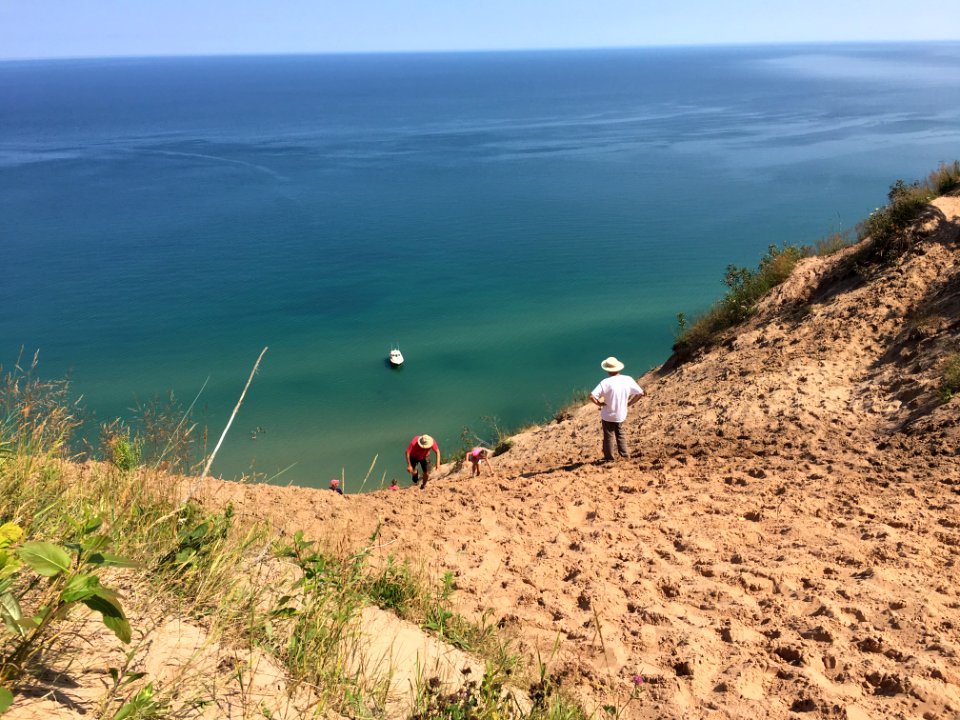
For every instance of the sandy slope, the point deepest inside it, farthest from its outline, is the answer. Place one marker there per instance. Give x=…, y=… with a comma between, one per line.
x=785, y=541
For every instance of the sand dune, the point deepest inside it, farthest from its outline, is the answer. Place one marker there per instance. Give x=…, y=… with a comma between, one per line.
x=784, y=540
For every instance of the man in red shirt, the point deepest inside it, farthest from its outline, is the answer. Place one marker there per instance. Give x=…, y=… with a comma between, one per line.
x=418, y=454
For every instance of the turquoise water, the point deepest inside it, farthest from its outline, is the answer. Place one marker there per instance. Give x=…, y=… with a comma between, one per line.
x=508, y=219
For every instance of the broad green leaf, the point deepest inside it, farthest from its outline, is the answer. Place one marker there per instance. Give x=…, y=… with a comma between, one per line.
x=120, y=627
x=126, y=711
x=12, y=614
x=194, y=534
x=6, y=699
x=29, y=623
x=133, y=677
x=10, y=533
x=95, y=543
x=111, y=560
x=9, y=564
x=128, y=677
x=79, y=588
x=142, y=701
x=185, y=557
x=45, y=559
x=106, y=604
x=93, y=525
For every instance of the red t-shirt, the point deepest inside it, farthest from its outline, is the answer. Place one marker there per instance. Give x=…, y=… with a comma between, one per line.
x=418, y=453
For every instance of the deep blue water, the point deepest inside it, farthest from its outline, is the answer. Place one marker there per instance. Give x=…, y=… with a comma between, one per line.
x=510, y=219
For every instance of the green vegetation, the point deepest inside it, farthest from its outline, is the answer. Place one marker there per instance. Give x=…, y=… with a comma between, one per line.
x=887, y=228
x=885, y=235
x=124, y=451
x=577, y=399
x=744, y=288
x=494, y=437
x=73, y=574
x=70, y=534
x=951, y=377
x=491, y=698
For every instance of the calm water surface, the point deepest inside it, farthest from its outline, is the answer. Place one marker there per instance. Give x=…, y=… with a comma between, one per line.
x=509, y=219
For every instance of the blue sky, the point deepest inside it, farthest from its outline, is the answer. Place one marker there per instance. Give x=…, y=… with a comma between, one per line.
x=95, y=28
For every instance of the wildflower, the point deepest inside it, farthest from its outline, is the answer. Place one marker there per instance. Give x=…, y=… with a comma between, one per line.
x=638, y=679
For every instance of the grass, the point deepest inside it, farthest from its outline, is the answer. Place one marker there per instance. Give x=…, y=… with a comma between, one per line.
x=249, y=589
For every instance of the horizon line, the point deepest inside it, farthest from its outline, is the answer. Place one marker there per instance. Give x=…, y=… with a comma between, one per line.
x=478, y=51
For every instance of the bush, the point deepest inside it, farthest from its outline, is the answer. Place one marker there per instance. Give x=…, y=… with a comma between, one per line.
x=123, y=449
x=887, y=231
x=951, y=377
x=887, y=228
x=744, y=288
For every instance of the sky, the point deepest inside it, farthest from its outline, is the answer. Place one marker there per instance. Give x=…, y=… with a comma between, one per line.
x=105, y=28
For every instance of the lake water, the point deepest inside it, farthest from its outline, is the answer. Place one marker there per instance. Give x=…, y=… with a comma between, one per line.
x=508, y=219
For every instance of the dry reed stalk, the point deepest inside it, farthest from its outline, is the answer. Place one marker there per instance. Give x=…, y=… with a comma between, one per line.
x=206, y=469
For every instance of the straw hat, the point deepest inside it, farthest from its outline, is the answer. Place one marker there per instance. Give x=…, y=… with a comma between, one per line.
x=425, y=441
x=611, y=364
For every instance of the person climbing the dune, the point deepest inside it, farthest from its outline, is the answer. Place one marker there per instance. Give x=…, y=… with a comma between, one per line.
x=613, y=396
x=478, y=457
x=418, y=454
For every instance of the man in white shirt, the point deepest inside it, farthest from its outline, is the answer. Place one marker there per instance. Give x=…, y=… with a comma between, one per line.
x=613, y=396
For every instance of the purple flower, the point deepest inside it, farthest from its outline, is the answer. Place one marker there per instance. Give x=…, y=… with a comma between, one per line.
x=638, y=679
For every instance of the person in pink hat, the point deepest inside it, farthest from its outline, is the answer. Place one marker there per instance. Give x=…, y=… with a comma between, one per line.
x=613, y=396
x=478, y=457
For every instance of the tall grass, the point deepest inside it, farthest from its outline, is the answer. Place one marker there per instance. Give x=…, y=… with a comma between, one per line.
x=37, y=420
x=249, y=589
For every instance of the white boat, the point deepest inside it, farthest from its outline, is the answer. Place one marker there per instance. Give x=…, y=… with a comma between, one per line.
x=396, y=357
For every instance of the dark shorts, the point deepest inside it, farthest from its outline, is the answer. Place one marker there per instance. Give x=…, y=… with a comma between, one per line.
x=423, y=465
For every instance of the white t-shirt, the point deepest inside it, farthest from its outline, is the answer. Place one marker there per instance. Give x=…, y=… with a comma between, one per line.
x=616, y=391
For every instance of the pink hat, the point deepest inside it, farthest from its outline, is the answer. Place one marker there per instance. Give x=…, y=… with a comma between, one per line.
x=334, y=483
